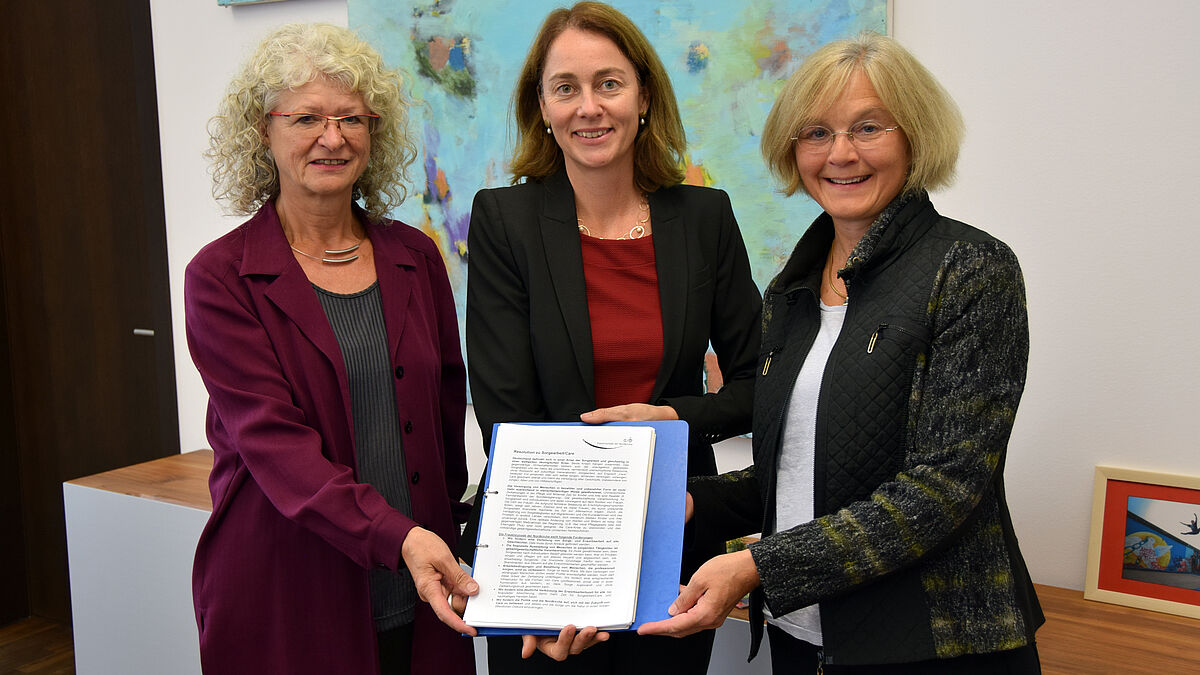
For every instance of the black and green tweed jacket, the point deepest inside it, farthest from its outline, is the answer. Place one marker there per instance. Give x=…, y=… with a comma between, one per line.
x=912, y=555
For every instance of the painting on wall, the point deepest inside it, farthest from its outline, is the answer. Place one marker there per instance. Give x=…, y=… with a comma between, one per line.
x=229, y=3
x=1144, y=549
x=727, y=62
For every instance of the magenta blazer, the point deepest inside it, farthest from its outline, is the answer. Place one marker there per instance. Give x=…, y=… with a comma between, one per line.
x=280, y=576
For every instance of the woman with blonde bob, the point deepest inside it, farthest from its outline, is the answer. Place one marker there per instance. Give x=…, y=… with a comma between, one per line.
x=597, y=283
x=893, y=359
x=326, y=336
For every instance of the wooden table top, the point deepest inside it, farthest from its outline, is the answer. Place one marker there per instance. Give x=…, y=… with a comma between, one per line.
x=1086, y=636
x=177, y=479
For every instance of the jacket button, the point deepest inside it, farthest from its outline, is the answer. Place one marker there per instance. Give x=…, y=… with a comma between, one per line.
x=416, y=477
x=399, y=372
x=408, y=427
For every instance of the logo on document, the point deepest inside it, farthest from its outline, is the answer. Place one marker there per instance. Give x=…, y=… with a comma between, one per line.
x=610, y=444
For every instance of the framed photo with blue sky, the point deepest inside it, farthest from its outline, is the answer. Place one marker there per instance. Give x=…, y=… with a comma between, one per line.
x=1144, y=549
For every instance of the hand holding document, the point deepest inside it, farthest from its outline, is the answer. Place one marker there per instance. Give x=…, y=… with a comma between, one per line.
x=711, y=593
x=563, y=522
x=437, y=576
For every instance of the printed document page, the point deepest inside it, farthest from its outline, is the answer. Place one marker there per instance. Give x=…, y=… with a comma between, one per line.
x=561, y=530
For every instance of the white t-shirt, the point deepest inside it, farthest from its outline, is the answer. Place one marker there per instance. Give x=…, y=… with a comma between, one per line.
x=795, y=477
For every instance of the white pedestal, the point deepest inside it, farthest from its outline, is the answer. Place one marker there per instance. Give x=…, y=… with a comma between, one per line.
x=131, y=582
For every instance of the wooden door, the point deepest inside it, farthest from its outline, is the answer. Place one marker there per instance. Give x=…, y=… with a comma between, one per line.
x=83, y=252
x=14, y=597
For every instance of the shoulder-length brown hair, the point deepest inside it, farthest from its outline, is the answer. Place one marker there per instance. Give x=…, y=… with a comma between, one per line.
x=660, y=143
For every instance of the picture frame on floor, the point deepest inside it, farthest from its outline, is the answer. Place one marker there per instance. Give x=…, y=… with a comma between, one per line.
x=1144, y=548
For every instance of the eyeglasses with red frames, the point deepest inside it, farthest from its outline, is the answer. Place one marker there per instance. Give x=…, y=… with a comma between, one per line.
x=315, y=124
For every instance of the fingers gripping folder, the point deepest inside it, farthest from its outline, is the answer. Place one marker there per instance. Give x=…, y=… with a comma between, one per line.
x=580, y=524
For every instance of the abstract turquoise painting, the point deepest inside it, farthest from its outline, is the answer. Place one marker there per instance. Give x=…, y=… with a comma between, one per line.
x=727, y=61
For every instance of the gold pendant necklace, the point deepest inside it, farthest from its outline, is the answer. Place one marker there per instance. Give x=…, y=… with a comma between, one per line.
x=636, y=232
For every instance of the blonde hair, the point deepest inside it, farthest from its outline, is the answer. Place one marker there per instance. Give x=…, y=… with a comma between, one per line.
x=243, y=169
x=930, y=119
x=659, y=145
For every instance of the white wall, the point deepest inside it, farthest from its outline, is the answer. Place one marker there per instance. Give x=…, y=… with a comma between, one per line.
x=1079, y=154
x=1081, y=150
x=198, y=46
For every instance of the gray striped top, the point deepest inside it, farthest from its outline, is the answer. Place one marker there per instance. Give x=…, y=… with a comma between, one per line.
x=357, y=321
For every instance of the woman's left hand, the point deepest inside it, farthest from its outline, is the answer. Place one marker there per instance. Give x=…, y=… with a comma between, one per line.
x=437, y=576
x=711, y=593
x=568, y=642
x=632, y=412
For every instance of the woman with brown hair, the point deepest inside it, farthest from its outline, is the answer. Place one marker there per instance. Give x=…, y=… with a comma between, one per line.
x=597, y=283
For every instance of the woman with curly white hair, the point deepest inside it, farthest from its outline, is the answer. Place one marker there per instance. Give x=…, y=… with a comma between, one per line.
x=326, y=336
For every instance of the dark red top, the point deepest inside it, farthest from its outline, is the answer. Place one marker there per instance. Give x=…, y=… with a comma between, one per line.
x=626, y=318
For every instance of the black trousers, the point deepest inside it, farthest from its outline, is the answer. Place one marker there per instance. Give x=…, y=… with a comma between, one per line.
x=395, y=650
x=790, y=656
x=625, y=653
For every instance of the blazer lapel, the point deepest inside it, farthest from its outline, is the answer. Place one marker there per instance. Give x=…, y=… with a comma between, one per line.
x=564, y=258
x=267, y=253
x=393, y=265
x=671, y=263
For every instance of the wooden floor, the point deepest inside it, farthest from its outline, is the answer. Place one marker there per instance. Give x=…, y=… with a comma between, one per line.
x=36, y=645
x=1080, y=636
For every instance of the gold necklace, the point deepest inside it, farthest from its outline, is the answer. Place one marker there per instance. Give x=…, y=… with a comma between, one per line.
x=829, y=279
x=636, y=232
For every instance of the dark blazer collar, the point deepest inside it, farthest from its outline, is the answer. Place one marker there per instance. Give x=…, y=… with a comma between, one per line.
x=901, y=223
x=803, y=266
x=564, y=256
x=671, y=261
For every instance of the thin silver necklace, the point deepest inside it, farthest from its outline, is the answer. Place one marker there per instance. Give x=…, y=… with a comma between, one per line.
x=330, y=252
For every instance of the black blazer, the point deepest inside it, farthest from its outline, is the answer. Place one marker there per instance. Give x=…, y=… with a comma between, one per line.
x=529, y=338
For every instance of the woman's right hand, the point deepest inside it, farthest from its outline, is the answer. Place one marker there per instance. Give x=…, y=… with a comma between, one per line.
x=566, y=643
x=709, y=596
x=438, y=578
